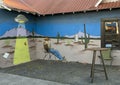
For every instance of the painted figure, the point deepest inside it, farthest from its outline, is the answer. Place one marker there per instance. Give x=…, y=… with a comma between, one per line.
x=47, y=47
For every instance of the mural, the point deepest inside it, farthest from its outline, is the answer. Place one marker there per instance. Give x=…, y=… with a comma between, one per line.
x=67, y=26
x=8, y=25
x=21, y=19
x=21, y=54
x=70, y=34
x=21, y=47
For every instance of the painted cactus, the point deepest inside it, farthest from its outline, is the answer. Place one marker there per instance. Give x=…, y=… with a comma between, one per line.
x=33, y=33
x=58, y=37
x=87, y=38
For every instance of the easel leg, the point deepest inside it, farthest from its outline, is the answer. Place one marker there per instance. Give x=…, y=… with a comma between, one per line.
x=93, y=66
x=104, y=66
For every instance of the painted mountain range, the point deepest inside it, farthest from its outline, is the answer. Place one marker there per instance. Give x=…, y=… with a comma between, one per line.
x=14, y=32
x=80, y=34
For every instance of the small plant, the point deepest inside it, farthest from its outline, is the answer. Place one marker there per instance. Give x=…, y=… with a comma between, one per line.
x=58, y=37
x=33, y=33
x=7, y=42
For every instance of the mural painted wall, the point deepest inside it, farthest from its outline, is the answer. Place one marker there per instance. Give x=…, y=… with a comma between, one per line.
x=8, y=25
x=17, y=50
x=68, y=25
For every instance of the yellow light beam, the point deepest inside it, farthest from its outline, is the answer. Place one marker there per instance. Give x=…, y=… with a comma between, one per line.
x=21, y=54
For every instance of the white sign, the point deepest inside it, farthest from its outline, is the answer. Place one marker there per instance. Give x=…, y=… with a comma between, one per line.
x=6, y=55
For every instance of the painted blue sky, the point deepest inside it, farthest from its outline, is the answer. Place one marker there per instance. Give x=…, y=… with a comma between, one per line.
x=67, y=24
x=69, y=29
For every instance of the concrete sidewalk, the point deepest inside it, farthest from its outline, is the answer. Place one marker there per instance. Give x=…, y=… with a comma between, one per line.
x=9, y=79
x=57, y=73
